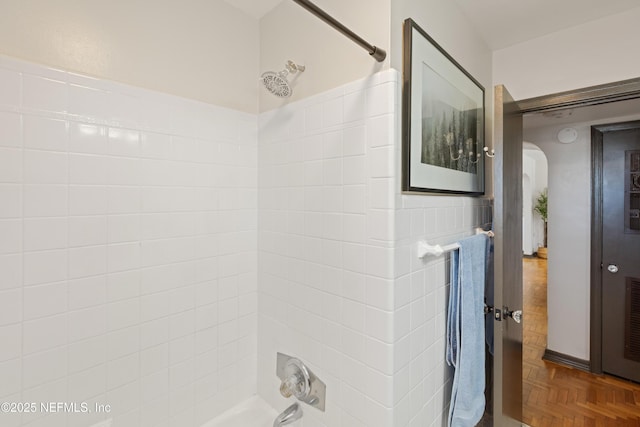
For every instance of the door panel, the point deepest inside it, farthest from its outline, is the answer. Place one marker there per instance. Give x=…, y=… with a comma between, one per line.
x=620, y=249
x=508, y=258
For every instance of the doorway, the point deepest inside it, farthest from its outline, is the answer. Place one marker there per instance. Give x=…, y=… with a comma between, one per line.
x=508, y=138
x=564, y=393
x=534, y=192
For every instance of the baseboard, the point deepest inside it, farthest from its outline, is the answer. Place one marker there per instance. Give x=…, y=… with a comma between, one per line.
x=563, y=359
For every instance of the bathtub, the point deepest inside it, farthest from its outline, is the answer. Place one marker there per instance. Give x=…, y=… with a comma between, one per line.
x=253, y=412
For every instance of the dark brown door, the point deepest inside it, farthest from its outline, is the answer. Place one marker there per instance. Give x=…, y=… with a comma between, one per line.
x=621, y=251
x=507, y=409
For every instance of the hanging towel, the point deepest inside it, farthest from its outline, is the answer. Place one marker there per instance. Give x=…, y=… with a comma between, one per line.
x=453, y=330
x=465, y=331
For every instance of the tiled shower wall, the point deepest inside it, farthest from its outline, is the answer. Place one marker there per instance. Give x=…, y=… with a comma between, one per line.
x=421, y=295
x=340, y=285
x=326, y=235
x=127, y=251
x=129, y=263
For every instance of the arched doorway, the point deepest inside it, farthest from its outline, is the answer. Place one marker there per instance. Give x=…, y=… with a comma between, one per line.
x=534, y=182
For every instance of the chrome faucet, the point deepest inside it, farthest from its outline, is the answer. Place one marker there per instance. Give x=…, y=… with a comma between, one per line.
x=290, y=415
x=298, y=381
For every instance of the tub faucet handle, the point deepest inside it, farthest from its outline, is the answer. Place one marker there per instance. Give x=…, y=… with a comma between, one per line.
x=299, y=381
x=285, y=389
x=294, y=385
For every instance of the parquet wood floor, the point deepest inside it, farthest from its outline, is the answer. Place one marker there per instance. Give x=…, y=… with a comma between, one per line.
x=554, y=395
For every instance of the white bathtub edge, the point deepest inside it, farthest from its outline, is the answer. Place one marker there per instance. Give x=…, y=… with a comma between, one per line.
x=252, y=412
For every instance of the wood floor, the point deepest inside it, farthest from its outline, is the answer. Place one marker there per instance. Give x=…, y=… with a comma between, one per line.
x=554, y=395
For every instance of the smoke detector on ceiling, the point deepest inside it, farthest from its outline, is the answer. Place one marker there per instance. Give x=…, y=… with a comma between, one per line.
x=567, y=135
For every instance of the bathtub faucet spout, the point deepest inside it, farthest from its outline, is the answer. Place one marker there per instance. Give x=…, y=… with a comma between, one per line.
x=290, y=415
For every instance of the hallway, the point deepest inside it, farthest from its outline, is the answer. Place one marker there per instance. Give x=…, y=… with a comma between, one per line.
x=554, y=395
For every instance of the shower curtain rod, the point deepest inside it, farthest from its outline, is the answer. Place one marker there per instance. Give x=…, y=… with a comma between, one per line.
x=376, y=52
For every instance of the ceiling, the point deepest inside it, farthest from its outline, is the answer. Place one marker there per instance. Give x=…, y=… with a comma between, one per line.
x=255, y=8
x=504, y=23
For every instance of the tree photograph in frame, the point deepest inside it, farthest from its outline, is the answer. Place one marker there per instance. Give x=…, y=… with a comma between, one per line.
x=443, y=120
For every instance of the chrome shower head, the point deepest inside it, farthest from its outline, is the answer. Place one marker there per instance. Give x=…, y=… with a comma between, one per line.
x=277, y=83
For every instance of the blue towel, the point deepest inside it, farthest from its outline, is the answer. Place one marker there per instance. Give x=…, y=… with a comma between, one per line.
x=465, y=331
x=453, y=330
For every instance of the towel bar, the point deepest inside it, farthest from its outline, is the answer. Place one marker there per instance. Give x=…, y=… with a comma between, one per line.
x=425, y=249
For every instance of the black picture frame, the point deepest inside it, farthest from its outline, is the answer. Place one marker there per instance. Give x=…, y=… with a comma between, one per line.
x=443, y=120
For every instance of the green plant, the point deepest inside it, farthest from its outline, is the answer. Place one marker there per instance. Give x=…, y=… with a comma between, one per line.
x=541, y=208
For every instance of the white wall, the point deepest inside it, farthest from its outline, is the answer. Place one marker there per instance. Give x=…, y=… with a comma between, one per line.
x=204, y=50
x=568, y=239
x=332, y=60
x=594, y=53
x=128, y=250
x=461, y=41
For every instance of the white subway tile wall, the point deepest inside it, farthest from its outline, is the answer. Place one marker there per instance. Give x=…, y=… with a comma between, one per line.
x=128, y=251
x=326, y=242
x=421, y=291
x=340, y=285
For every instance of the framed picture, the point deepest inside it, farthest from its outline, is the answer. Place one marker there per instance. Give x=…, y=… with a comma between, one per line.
x=442, y=122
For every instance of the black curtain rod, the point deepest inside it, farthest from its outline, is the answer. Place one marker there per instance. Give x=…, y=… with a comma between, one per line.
x=376, y=52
